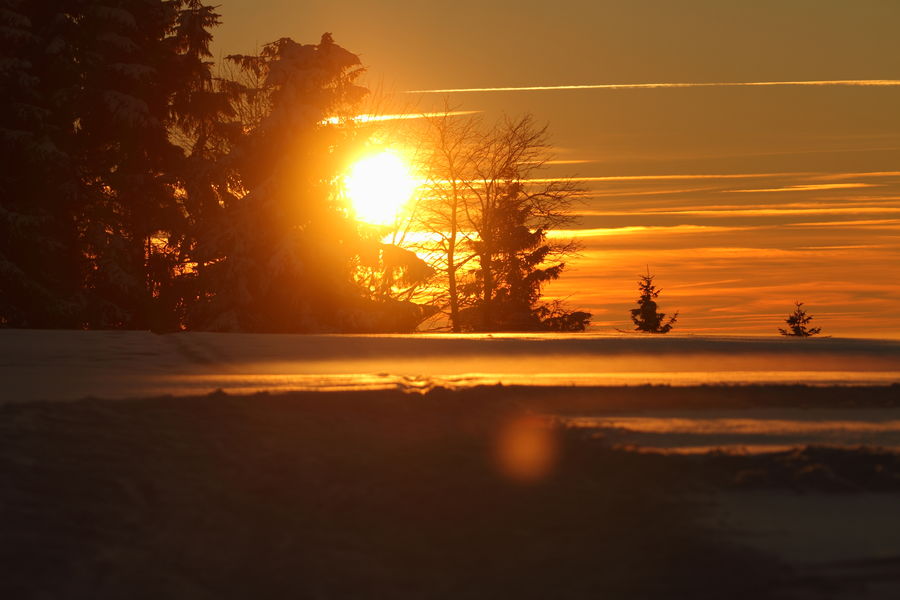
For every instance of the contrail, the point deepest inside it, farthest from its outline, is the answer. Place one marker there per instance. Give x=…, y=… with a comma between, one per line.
x=640, y=86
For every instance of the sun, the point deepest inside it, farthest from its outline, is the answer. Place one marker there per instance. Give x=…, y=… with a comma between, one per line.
x=379, y=186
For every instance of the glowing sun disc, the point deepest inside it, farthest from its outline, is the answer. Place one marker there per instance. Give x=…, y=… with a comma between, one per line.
x=378, y=187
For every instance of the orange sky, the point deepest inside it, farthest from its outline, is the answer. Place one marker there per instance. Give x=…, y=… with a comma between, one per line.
x=741, y=198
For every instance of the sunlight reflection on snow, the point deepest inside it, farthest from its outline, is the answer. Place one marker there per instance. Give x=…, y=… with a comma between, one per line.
x=780, y=429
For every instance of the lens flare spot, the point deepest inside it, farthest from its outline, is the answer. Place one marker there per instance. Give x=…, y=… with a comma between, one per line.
x=527, y=449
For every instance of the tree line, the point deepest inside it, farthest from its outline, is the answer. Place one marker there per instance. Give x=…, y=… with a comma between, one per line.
x=145, y=187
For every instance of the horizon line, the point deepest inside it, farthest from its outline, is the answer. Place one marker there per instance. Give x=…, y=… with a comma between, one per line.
x=632, y=86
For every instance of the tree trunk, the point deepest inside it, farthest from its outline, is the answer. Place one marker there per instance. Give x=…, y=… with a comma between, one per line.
x=451, y=274
x=487, y=273
x=451, y=265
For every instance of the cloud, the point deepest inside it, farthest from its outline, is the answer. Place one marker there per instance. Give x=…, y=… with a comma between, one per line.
x=610, y=231
x=817, y=187
x=672, y=177
x=864, y=174
x=370, y=118
x=715, y=176
x=748, y=212
x=639, y=86
x=868, y=223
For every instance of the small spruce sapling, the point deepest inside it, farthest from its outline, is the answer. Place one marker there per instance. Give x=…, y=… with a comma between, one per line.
x=797, y=323
x=645, y=316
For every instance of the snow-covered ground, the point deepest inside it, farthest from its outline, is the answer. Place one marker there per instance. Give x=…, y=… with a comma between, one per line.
x=64, y=365
x=747, y=430
x=68, y=365
x=837, y=539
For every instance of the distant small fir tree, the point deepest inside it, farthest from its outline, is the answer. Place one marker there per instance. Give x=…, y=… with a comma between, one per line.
x=797, y=323
x=645, y=316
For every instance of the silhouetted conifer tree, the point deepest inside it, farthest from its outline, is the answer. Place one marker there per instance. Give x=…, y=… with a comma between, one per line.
x=797, y=323
x=284, y=256
x=511, y=254
x=646, y=317
x=40, y=264
x=515, y=261
x=206, y=128
x=139, y=190
x=494, y=215
x=90, y=199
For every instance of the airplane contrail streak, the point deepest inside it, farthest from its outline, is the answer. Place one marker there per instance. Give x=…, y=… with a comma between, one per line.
x=639, y=86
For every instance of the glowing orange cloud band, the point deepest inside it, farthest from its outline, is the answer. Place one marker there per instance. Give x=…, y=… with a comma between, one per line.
x=638, y=86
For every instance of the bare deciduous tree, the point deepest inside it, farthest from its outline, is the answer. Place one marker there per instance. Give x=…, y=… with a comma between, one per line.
x=446, y=163
x=484, y=202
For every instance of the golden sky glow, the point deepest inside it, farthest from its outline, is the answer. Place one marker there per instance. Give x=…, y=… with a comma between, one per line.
x=648, y=86
x=770, y=163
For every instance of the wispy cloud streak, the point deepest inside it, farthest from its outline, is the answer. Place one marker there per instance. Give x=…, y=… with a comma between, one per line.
x=670, y=177
x=751, y=212
x=367, y=118
x=641, y=86
x=713, y=176
x=860, y=224
x=816, y=187
x=632, y=229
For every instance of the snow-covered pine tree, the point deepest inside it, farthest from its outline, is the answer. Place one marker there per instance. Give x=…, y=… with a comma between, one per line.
x=646, y=318
x=204, y=129
x=39, y=274
x=282, y=257
x=93, y=215
x=128, y=75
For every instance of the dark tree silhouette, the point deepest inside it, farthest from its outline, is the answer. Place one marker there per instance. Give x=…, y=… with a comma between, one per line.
x=279, y=256
x=510, y=215
x=646, y=317
x=393, y=277
x=138, y=189
x=797, y=323
x=491, y=214
x=555, y=316
x=90, y=213
x=284, y=254
x=510, y=272
x=40, y=282
x=446, y=161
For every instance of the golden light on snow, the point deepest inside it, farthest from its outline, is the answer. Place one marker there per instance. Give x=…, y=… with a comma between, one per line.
x=379, y=186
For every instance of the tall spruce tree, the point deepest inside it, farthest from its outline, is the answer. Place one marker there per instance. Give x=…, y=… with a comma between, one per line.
x=513, y=266
x=139, y=190
x=206, y=128
x=128, y=77
x=93, y=198
x=281, y=257
x=39, y=264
